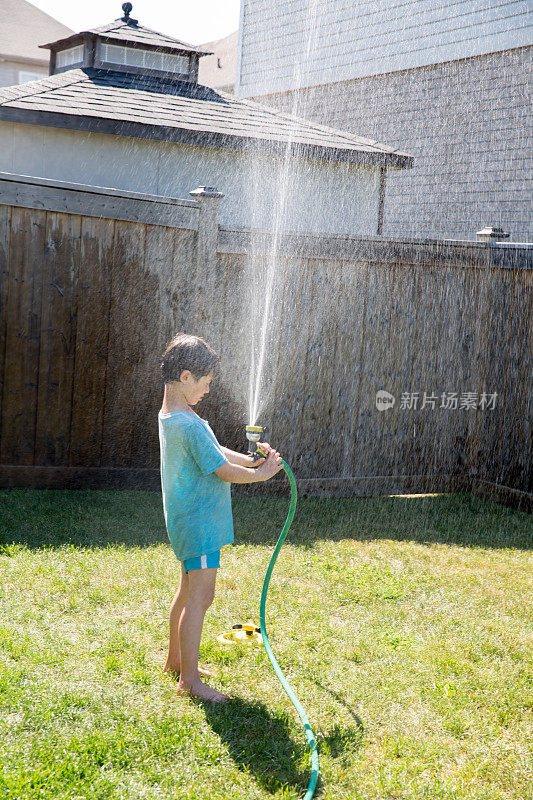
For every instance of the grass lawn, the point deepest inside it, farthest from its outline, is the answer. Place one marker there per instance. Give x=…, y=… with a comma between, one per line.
x=404, y=626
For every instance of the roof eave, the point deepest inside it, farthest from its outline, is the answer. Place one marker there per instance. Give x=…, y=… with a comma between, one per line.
x=203, y=138
x=78, y=38
x=37, y=62
x=74, y=39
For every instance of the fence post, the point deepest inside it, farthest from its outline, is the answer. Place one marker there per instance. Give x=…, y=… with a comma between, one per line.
x=206, y=249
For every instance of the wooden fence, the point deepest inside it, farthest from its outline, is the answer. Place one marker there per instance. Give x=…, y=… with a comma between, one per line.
x=89, y=299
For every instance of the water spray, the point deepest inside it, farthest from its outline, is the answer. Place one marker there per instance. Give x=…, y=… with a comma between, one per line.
x=253, y=434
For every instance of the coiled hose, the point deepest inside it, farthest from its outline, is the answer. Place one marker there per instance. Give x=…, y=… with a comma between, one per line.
x=288, y=689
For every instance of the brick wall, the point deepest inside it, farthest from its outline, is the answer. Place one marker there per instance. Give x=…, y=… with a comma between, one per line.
x=468, y=125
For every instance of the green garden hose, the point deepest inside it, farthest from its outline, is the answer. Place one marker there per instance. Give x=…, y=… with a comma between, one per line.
x=294, y=700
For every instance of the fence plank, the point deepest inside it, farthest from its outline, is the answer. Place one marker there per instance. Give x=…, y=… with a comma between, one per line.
x=513, y=360
x=403, y=340
x=385, y=357
x=24, y=300
x=5, y=231
x=225, y=406
x=300, y=288
x=92, y=333
x=470, y=300
x=129, y=293
x=491, y=420
x=466, y=307
x=154, y=318
x=295, y=281
x=363, y=457
x=182, y=293
x=437, y=342
x=527, y=420
x=519, y=369
x=349, y=313
x=58, y=339
x=443, y=351
x=319, y=377
x=479, y=350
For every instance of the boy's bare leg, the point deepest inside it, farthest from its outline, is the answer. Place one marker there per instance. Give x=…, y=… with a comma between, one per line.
x=176, y=607
x=201, y=594
x=173, y=664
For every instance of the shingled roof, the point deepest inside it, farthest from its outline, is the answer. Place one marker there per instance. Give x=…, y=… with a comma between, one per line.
x=155, y=108
x=131, y=32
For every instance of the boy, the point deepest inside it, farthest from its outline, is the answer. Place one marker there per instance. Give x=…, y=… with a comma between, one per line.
x=196, y=473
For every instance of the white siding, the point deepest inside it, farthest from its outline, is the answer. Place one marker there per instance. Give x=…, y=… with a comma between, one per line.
x=323, y=197
x=10, y=71
x=288, y=44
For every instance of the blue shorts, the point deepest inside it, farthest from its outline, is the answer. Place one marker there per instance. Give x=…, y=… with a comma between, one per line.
x=202, y=562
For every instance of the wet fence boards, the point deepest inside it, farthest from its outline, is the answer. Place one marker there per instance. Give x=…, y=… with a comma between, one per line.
x=22, y=344
x=88, y=303
x=57, y=348
x=93, y=297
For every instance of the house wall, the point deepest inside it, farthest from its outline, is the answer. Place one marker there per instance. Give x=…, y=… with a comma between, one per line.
x=10, y=71
x=288, y=44
x=468, y=125
x=326, y=197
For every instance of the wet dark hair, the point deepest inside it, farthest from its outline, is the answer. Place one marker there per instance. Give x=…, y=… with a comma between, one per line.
x=188, y=352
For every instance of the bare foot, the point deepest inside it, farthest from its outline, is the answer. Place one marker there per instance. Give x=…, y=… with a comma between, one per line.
x=202, y=691
x=175, y=671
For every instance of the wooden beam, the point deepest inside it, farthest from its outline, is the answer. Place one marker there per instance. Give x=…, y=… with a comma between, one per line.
x=418, y=252
x=92, y=201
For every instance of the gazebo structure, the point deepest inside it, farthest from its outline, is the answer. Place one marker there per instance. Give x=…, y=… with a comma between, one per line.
x=122, y=108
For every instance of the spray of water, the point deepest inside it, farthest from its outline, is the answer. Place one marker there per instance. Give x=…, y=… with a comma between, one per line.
x=266, y=281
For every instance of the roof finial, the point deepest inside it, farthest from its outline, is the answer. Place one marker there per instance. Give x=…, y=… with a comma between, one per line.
x=127, y=7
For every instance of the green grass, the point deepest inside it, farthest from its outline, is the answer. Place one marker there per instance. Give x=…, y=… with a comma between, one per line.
x=404, y=626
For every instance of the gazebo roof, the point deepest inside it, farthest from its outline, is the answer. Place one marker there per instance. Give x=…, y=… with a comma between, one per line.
x=130, y=32
x=150, y=107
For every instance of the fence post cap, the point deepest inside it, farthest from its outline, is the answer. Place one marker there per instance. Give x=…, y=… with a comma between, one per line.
x=490, y=233
x=206, y=191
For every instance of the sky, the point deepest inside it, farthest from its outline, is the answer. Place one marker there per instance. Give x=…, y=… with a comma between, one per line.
x=194, y=22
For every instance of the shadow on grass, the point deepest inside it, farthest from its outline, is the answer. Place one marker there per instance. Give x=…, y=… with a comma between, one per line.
x=261, y=743
x=341, y=742
x=336, y=696
x=134, y=518
x=456, y=519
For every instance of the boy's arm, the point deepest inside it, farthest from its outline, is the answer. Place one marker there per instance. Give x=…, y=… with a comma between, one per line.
x=241, y=459
x=234, y=473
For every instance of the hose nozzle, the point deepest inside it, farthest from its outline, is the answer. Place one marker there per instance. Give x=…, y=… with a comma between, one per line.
x=254, y=434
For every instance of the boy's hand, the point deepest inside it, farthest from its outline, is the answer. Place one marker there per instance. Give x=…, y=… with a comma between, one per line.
x=265, y=447
x=272, y=465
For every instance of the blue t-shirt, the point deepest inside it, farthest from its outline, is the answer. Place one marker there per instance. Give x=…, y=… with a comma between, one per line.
x=196, y=502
